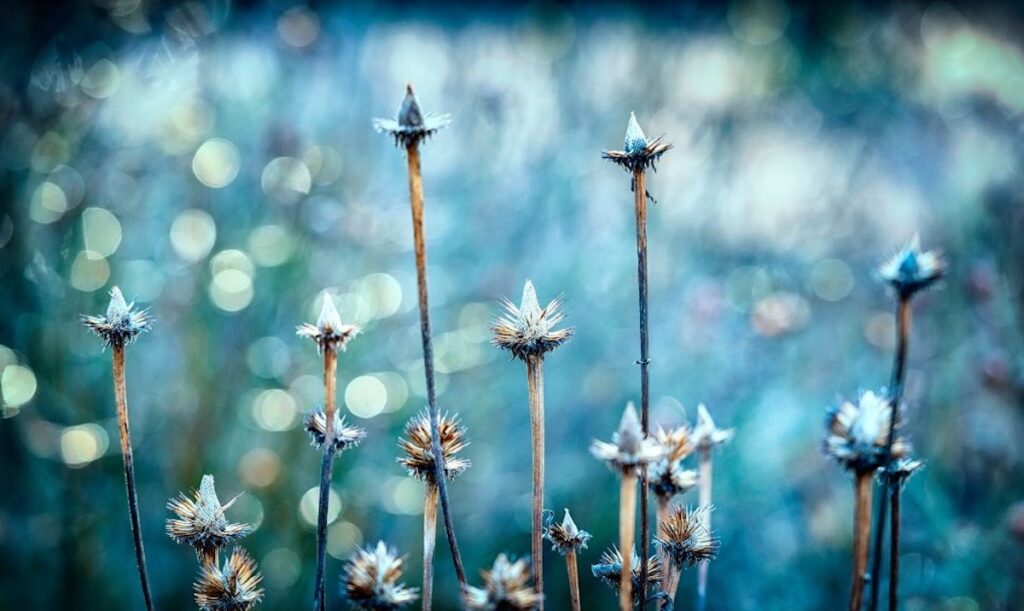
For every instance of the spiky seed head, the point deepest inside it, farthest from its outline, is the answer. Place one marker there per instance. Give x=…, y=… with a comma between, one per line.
x=329, y=332
x=565, y=536
x=706, y=435
x=506, y=588
x=638, y=152
x=528, y=330
x=900, y=470
x=235, y=587
x=678, y=442
x=668, y=478
x=412, y=125
x=629, y=449
x=201, y=521
x=371, y=579
x=911, y=269
x=418, y=456
x=121, y=324
x=609, y=571
x=857, y=433
x=684, y=538
x=345, y=436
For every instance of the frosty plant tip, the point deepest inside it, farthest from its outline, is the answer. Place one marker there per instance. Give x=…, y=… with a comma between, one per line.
x=233, y=587
x=411, y=125
x=371, y=580
x=912, y=269
x=201, y=522
x=506, y=587
x=567, y=539
x=638, y=153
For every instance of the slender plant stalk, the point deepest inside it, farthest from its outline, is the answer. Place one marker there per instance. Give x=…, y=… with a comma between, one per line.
x=894, y=551
x=572, y=568
x=705, y=482
x=121, y=397
x=535, y=381
x=666, y=580
x=627, y=533
x=896, y=395
x=326, y=468
x=640, y=204
x=861, y=535
x=420, y=246
x=429, y=539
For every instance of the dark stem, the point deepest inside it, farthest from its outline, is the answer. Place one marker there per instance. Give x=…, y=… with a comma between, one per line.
x=535, y=382
x=420, y=247
x=640, y=204
x=326, y=469
x=121, y=398
x=896, y=395
x=894, y=550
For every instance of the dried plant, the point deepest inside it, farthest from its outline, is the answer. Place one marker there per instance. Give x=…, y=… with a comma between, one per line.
x=372, y=577
x=684, y=542
x=202, y=523
x=345, y=436
x=567, y=539
x=616, y=571
x=120, y=326
x=528, y=333
x=706, y=436
x=235, y=587
x=409, y=129
x=506, y=588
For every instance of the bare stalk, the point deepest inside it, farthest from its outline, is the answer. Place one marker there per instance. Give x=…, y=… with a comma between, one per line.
x=121, y=398
x=535, y=381
x=669, y=569
x=429, y=539
x=640, y=205
x=894, y=550
x=627, y=533
x=705, y=482
x=420, y=247
x=574, y=579
x=861, y=535
x=326, y=468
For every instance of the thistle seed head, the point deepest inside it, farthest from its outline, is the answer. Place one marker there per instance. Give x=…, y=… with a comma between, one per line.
x=411, y=125
x=638, y=152
x=506, y=588
x=121, y=324
x=668, y=478
x=565, y=537
x=371, y=579
x=419, y=455
x=201, y=522
x=684, y=539
x=706, y=435
x=911, y=269
x=629, y=449
x=528, y=330
x=345, y=436
x=329, y=332
x=235, y=587
x=857, y=434
x=678, y=442
x=609, y=570
x=900, y=470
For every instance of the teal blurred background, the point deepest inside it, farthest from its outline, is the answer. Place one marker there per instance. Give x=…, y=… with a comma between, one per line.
x=217, y=162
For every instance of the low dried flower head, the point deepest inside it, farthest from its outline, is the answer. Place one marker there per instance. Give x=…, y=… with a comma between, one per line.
x=329, y=332
x=900, y=470
x=684, y=538
x=345, y=436
x=419, y=455
x=629, y=448
x=911, y=269
x=201, y=522
x=529, y=330
x=609, y=570
x=235, y=587
x=668, y=478
x=506, y=588
x=857, y=434
x=371, y=579
x=678, y=442
x=638, y=152
x=565, y=536
x=706, y=435
x=411, y=125
x=121, y=324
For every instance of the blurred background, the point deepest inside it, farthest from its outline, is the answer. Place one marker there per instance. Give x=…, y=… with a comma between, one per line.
x=216, y=160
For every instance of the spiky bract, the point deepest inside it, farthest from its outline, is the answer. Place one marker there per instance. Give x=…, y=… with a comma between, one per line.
x=528, y=330
x=609, y=571
x=638, y=152
x=419, y=456
x=857, y=434
x=345, y=436
x=629, y=449
x=683, y=537
x=506, y=588
x=565, y=536
x=411, y=125
x=329, y=332
x=235, y=587
x=201, y=522
x=121, y=324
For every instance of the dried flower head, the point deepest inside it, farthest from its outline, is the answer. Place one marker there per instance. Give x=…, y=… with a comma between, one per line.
x=684, y=539
x=419, y=456
x=329, y=332
x=629, y=448
x=609, y=570
x=345, y=436
x=506, y=588
x=900, y=470
x=412, y=125
x=371, y=579
x=706, y=435
x=911, y=269
x=232, y=588
x=678, y=442
x=201, y=522
x=857, y=434
x=565, y=537
x=528, y=330
x=121, y=324
x=669, y=478
x=638, y=152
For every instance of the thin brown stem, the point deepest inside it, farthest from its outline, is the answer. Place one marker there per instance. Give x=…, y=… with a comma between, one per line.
x=535, y=381
x=627, y=532
x=669, y=568
x=894, y=550
x=640, y=206
x=420, y=247
x=574, y=580
x=704, y=486
x=429, y=538
x=326, y=471
x=121, y=399
x=861, y=535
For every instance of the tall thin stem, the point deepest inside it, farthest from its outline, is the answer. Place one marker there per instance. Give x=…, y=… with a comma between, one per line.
x=640, y=205
x=705, y=482
x=420, y=247
x=535, y=381
x=572, y=568
x=894, y=550
x=326, y=469
x=429, y=539
x=896, y=395
x=121, y=398
x=861, y=535
x=627, y=533
x=669, y=568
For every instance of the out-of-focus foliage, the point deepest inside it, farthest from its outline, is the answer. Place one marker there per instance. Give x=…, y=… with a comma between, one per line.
x=218, y=163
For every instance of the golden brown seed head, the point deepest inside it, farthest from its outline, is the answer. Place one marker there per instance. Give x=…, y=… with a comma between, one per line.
x=609, y=571
x=528, y=330
x=418, y=456
x=629, y=449
x=235, y=587
x=371, y=579
x=201, y=522
x=506, y=588
x=684, y=539
x=329, y=332
x=565, y=536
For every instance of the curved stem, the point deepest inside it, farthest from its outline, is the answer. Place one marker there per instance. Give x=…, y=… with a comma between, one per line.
x=535, y=381
x=326, y=469
x=429, y=539
x=861, y=535
x=121, y=398
x=574, y=580
x=627, y=532
x=640, y=205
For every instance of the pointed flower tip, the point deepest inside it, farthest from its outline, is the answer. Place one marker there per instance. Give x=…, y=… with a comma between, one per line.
x=636, y=141
x=408, y=88
x=912, y=269
x=630, y=420
x=329, y=317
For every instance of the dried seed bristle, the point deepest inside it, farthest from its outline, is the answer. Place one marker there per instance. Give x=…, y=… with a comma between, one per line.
x=235, y=587
x=506, y=588
x=419, y=456
x=371, y=579
x=201, y=522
